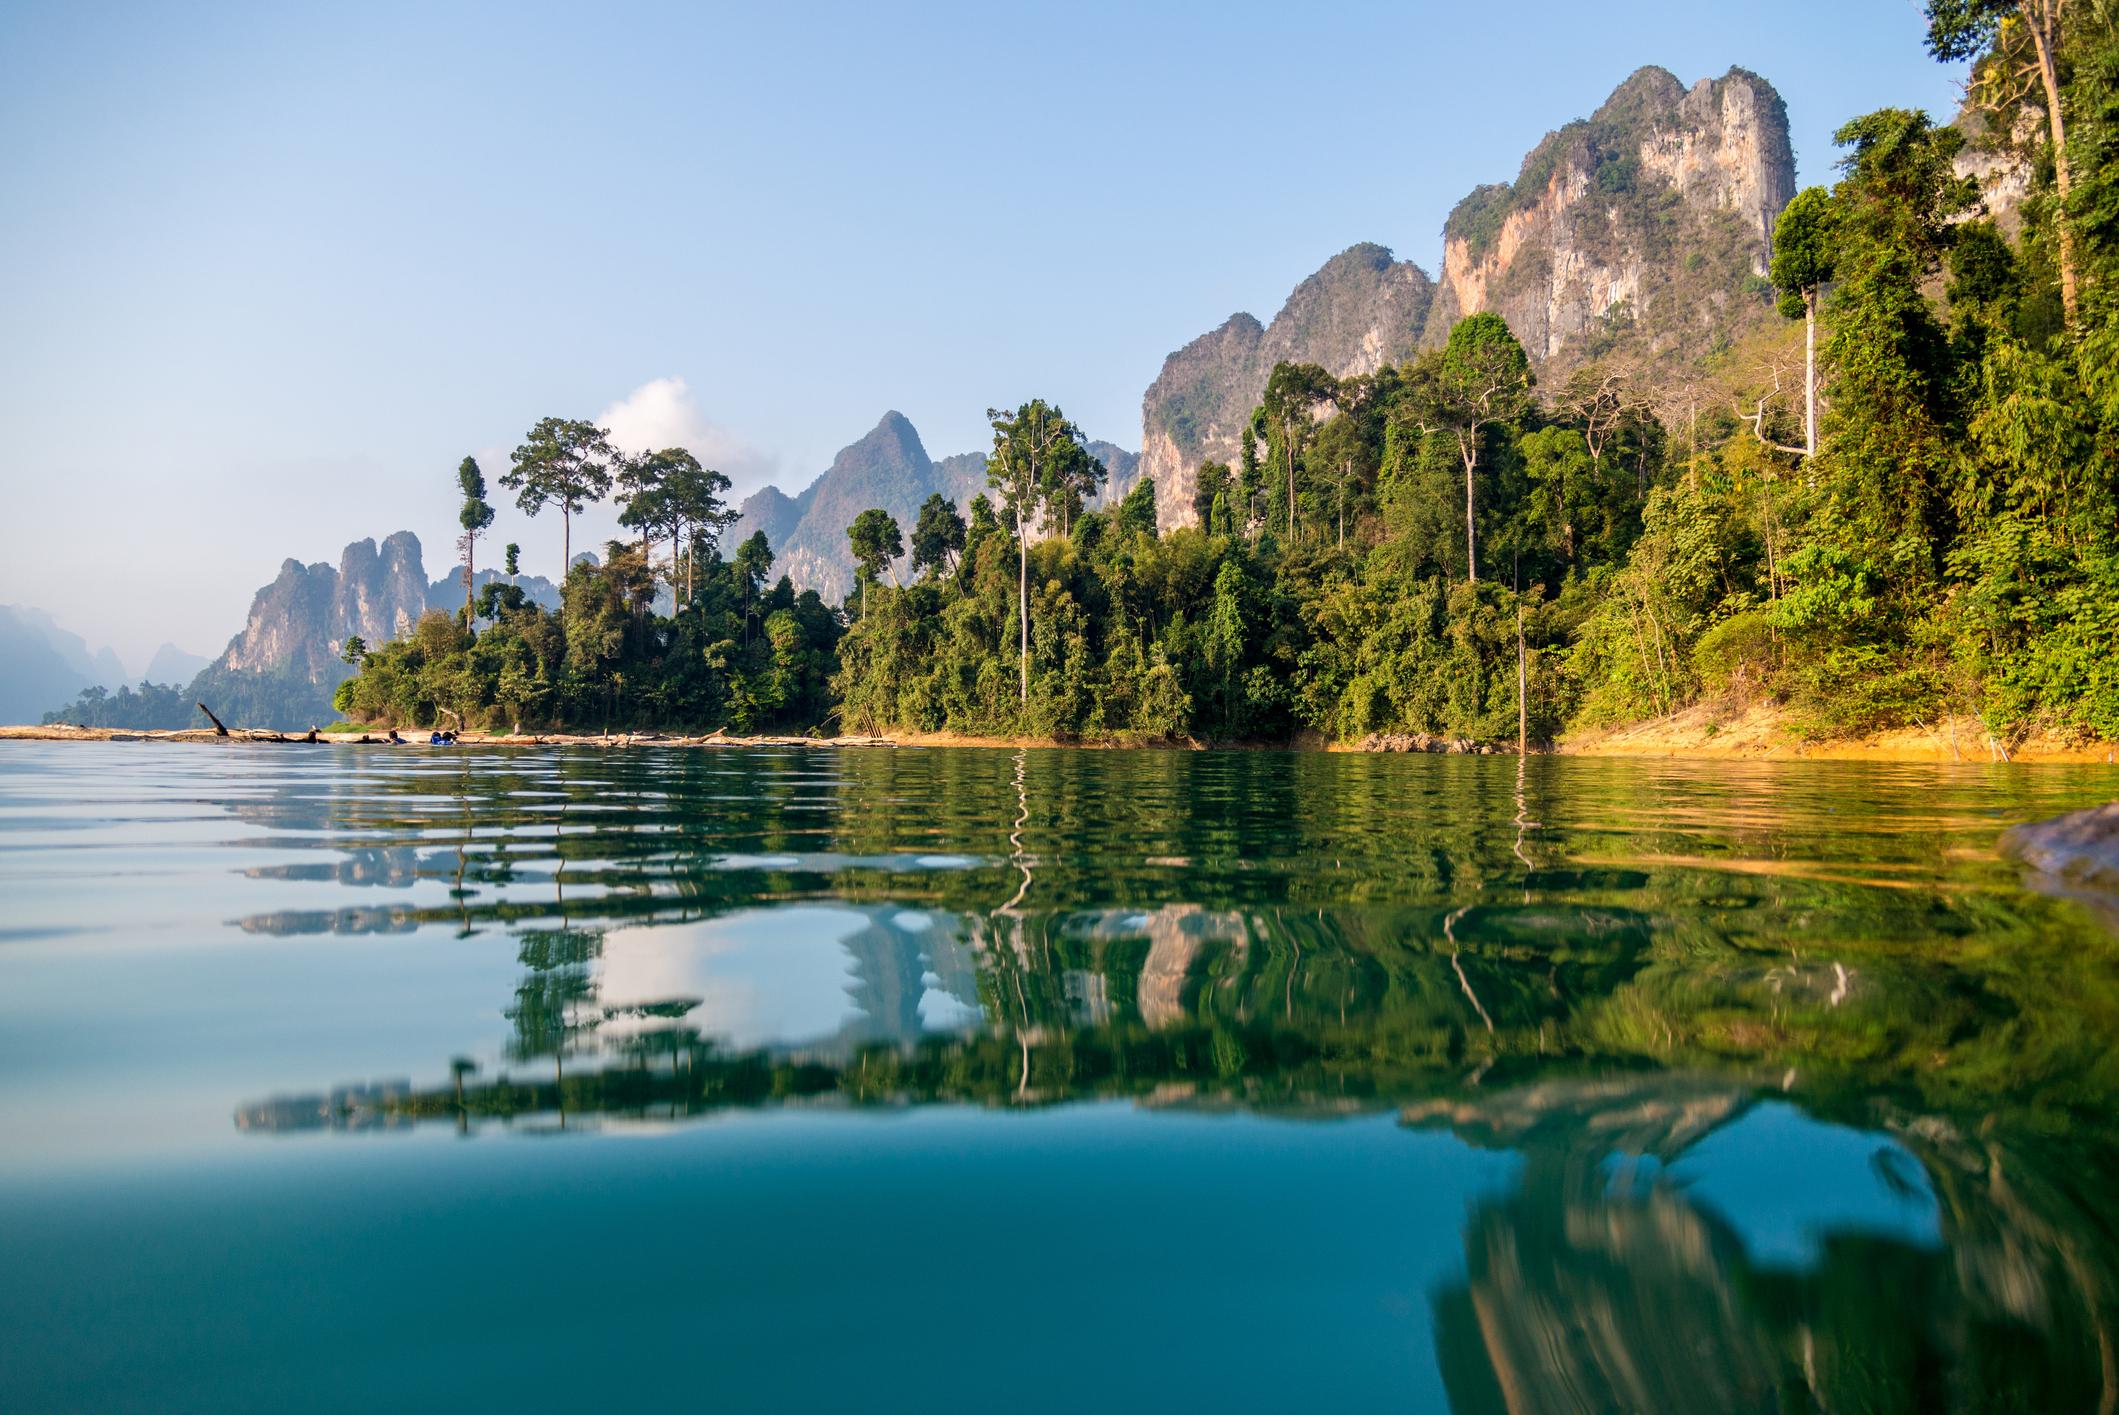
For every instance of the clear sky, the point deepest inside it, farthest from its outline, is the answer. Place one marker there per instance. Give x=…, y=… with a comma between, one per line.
x=267, y=273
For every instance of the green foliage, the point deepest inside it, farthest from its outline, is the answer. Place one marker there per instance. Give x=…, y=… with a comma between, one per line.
x=565, y=463
x=1803, y=249
x=153, y=706
x=733, y=655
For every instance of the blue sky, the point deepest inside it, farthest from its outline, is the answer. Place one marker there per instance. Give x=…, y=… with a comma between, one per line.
x=268, y=272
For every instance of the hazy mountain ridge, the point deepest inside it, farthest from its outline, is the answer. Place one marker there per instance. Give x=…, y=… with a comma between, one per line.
x=888, y=467
x=1642, y=230
x=46, y=665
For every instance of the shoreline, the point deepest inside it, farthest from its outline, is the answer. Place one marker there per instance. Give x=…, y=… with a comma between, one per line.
x=1697, y=734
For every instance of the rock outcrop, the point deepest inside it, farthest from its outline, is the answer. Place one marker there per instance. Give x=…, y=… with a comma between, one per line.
x=1644, y=230
x=2079, y=851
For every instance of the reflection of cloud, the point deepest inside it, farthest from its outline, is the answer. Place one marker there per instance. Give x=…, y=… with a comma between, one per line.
x=764, y=978
x=662, y=413
x=800, y=976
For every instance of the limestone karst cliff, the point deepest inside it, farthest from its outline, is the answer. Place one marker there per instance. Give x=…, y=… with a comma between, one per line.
x=1643, y=230
x=302, y=618
x=1653, y=218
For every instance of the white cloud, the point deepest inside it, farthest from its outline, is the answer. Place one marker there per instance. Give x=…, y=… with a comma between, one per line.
x=662, y=413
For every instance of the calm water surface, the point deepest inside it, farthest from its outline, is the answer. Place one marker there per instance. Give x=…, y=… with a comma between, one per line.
x=349, y=1079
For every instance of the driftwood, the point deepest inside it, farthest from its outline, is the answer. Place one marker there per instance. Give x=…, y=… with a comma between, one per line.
x=218, y=729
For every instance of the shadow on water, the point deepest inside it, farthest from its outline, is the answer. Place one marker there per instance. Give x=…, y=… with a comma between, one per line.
x=1650, y=984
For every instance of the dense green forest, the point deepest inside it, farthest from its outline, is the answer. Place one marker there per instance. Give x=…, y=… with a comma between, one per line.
x=1920, y=518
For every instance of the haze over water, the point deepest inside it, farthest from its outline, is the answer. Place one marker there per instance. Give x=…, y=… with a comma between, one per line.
x=481, y=1079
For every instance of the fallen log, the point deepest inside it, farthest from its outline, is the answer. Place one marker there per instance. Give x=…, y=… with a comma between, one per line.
x=218, y=729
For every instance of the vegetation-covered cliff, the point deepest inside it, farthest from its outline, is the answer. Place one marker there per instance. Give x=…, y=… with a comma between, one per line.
x=1642, y=231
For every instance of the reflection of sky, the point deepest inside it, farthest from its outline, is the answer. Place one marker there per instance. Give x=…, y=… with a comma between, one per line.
x=1786, y=1182
x=761, y=977
x=788, y=976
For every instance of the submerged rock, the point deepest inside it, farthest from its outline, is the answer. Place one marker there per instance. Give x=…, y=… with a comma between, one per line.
x=2080, y=849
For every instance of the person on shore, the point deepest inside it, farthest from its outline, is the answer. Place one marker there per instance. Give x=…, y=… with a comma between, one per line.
x=394, y=739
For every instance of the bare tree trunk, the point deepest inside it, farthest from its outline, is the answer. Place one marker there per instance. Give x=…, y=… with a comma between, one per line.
x=1287, y=446
x=1470, y=449
x=1810, y=372
x=1522, y=686
x=2043, y=19
x=1022, y=584
x=566, y=541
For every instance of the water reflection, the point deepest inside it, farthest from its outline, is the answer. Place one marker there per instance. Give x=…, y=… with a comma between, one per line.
x=1813, y=1101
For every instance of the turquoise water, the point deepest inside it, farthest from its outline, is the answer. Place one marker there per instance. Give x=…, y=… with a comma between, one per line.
x=337, y=1078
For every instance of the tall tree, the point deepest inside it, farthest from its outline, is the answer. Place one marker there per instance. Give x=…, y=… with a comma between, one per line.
x=1996, y=32
x=1027, y=444
x=1802, y=265
x=751, y=563
x=671, y=494
x=475, y=516
x=1293, y=392
x=1483, y=379
x=876, y=542
x=1893, y=452
x=937, y=536
x=648, y=508
x=1212, y=487
x=565, y=463
x=1136, y=510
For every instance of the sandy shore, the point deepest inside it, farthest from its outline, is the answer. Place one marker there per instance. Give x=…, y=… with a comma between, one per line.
x=1759, y=734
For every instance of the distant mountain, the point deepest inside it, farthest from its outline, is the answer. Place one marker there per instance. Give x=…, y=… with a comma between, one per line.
x=171, y=664
x=1643, y=231
x=43, y=665
x=889, y=468
x=447, y=593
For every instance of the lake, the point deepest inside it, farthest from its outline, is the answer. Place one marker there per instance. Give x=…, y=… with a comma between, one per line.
x=342, y=1079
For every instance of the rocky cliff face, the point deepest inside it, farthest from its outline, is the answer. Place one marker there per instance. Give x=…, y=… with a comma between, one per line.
x=1643, y=230
x=302, y=619
x=1361, y=311
x=1652, y=219
x=887, y=468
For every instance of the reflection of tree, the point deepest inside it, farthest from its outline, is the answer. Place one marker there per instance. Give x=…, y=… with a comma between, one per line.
x=1592, y=1288
x=552, y=1010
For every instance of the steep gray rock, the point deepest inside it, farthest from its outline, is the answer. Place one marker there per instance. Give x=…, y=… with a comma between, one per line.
x=1362, y=310
x=302, y=619
x=1652, y=220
